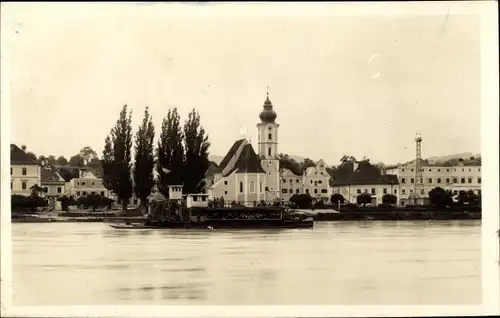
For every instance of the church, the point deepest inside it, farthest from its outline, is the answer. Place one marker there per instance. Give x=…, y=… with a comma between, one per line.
x=245, y=176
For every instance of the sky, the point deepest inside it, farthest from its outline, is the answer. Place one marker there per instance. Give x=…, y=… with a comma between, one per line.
x=360, y=85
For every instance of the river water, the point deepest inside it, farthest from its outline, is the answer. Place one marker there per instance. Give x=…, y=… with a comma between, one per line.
x=336, y=263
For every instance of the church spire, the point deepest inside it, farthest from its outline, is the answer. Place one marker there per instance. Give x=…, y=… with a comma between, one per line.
x=268, y=115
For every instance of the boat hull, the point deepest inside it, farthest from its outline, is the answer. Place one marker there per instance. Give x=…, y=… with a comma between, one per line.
x=279, y=224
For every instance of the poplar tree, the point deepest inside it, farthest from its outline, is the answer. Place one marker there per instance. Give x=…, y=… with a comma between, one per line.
x=107, y=163
x=144, y=159
x=170, y=153
x=121, y=138
x=196, y=159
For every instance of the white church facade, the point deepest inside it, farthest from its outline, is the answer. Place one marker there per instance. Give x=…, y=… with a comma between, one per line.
x=245, y=176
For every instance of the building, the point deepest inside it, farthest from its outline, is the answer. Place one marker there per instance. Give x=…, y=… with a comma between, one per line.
x=353, y=178
x=455, y=175
x=209, y=176
x=25, y=172
x=53, y=185
x=245, y=176
x=86, y=183
x=314, y=181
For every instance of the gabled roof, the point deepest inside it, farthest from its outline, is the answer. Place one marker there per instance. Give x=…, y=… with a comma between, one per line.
x=285, y=172
x=230, y=154
x=212, y=169
x=19, y=156
x=51, y=176
x=247, y=162
x=365, y=174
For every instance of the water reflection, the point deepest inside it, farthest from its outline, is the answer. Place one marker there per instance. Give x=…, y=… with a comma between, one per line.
x=435, y=262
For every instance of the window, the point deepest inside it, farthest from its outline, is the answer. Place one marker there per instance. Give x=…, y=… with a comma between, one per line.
x=447, y=170
x=447, y=180
x=212, y=181
x=241, y=186
x=412, y=180
x=455, y=180
x=395, y=191
x=260, y=187
x=77, y=183
x=469, y=170
x=403, y=170
x=291, y=181
x=11, y=171
x=297, y=180
x=102, y=193
x=315, y=183
x=469, y=180
x=421, y=180
x=78, y=193
x=439, y=170
x=384, y=190
x=307, y=190
x=83, y=183
x=411, y=190
x=23, y=185
x=478, y=180
x=422, y=191
x=438, y=180
x=315, y=190
x=479, y=169
x=11, y=185
x=269, y=151
x=270, y=136
x=462, y=180
x=252, y=187
x=93, y=183
x=359, y=191
x=297, y=191
x=411, y=170
x=225, y=192
x=429, y=180
x=324, y=191
x=283, y=190
x=462, y=170
x=430, y=170
x=45, y=189
x=403, y=191
x=24, y=171
x=373, y=190
x=455, y=192
x=403, y=180
x=93, y=192
x=266, y=188
x=84, y=193
x=283, y=180
x=225, y=182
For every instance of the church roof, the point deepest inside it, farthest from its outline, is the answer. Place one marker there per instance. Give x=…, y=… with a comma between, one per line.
x=212, y=169
x=247, y=162
x=230, y=154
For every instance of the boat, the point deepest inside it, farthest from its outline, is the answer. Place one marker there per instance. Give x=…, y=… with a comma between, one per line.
x=198, y=211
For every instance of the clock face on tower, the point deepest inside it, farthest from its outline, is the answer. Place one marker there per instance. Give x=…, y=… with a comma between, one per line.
x=270, y=128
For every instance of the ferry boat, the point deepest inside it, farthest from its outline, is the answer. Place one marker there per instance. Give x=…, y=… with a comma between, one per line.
x=199, y=211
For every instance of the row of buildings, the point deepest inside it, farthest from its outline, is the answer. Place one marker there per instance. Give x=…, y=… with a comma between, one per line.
x=247, y=176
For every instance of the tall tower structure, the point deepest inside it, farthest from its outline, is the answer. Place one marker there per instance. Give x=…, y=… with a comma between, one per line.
x=419, y=177
x=268, y=148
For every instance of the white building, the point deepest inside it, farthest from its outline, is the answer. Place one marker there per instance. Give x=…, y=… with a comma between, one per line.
x=353, y=178
x=462, y=175
x=314, y=181
x=246, y=177
x=25, y=172
x=86, y=183
x=53, y=186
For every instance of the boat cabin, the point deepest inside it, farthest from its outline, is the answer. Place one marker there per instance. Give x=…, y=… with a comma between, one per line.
x=196, y=200
x=175, y=192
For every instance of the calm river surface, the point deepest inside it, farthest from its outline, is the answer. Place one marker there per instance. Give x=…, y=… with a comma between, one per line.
x=337, y=263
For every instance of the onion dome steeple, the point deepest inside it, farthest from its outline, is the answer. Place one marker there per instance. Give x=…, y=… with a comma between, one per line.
x=268, y=115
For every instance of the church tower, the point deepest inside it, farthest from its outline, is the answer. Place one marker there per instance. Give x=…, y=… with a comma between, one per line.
x=268, y=149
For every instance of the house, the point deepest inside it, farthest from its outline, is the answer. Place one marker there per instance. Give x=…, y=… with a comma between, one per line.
x=85, y=183
x=209, y=176
x=25, y=172
x=314, y=181
x=353, y=178
x=53, y=185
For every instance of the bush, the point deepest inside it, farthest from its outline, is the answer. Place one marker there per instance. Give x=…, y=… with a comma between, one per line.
x=336, y=198
x=303, y=201
x=389, y=199
x=440, y=197
x=364, y=198
x=94, y=201
x=21, y=202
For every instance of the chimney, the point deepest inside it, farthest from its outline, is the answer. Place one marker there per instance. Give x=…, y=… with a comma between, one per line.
x=23, y=147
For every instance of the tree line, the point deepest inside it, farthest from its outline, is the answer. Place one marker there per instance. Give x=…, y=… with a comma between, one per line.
x=179, y=158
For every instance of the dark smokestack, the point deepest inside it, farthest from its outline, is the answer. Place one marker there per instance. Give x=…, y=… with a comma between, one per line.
x=23, y=147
